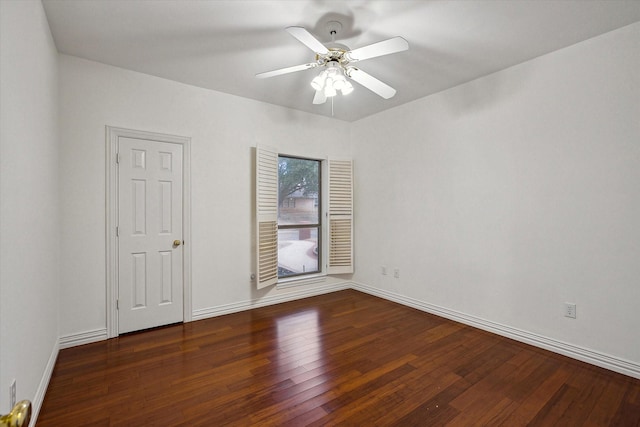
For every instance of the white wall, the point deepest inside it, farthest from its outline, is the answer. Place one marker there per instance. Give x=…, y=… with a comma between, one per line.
x=29, y=218
x=223, y=129
x=507, y=196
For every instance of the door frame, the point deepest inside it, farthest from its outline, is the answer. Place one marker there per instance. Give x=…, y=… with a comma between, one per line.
x=112, y=135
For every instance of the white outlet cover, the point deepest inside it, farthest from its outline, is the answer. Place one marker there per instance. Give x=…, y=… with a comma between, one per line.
x=570, y=310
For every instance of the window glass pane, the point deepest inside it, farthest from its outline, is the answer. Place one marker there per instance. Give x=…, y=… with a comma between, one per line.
x=297, y=251
x=298, y=191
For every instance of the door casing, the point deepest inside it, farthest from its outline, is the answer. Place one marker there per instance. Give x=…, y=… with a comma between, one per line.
x=112, y=136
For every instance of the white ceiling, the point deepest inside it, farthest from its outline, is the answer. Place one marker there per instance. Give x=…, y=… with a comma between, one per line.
x=222, y=44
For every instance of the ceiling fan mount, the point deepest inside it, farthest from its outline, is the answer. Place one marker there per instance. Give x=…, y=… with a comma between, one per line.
x=336, y=60
x=333, y=27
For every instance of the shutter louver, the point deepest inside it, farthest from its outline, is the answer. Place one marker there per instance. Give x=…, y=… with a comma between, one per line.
x=266, y=217
x=340, y=217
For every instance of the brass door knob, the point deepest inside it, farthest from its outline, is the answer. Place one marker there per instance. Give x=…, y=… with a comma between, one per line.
x=19, y=415
x=176, y=243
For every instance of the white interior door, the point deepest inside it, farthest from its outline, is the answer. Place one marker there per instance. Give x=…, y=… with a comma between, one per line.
x=150, y=226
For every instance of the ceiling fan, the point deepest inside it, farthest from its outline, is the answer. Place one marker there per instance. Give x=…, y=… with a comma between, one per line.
x=336, y=61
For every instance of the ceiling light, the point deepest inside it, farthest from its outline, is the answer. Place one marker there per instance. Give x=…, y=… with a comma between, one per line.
x=332, y=80
x=329, y=90
x=318, y=82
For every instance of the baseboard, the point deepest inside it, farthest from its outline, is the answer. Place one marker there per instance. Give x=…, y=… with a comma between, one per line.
x=38, y=399
x=220, y=310
x=83, y=338
x=575, y=352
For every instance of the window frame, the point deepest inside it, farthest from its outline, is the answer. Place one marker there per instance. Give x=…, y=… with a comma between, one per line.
x=319, y=226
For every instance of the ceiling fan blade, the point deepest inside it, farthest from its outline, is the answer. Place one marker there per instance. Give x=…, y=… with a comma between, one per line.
x=385, y=47
x=319, y=97
x=371, y=83
x=286, y=70
x=307, y=39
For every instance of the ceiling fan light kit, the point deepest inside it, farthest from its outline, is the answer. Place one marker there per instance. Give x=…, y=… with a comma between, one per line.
x=335, y=61
x=331, y=81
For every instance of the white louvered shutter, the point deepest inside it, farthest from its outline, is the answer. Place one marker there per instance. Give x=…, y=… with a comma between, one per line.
x=340, y=217
x=266, y=217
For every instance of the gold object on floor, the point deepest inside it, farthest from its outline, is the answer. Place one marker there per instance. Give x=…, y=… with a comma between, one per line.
x=19, y=415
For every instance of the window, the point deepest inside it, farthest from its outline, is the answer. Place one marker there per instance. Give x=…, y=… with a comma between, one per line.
x=299, y=228
x=290, y=216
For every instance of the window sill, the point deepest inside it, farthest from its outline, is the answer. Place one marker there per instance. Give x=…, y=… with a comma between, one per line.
x=315, y=279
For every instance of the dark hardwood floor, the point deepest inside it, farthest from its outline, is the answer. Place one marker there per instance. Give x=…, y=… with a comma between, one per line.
x=345, y=358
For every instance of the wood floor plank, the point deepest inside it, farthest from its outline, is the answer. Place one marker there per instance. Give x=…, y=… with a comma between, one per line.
x=344, y=358
x=538, y=396
x=433, y=391
x=607, y=406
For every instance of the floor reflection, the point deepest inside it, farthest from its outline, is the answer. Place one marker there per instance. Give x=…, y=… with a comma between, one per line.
x=298, y=340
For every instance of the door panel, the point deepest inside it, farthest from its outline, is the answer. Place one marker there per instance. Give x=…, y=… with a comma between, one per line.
x=150, y=265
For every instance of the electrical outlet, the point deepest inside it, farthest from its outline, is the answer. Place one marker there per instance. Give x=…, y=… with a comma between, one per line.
x=12, y=394
x=383, y=270
x=396, y=273
x=569, y=310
